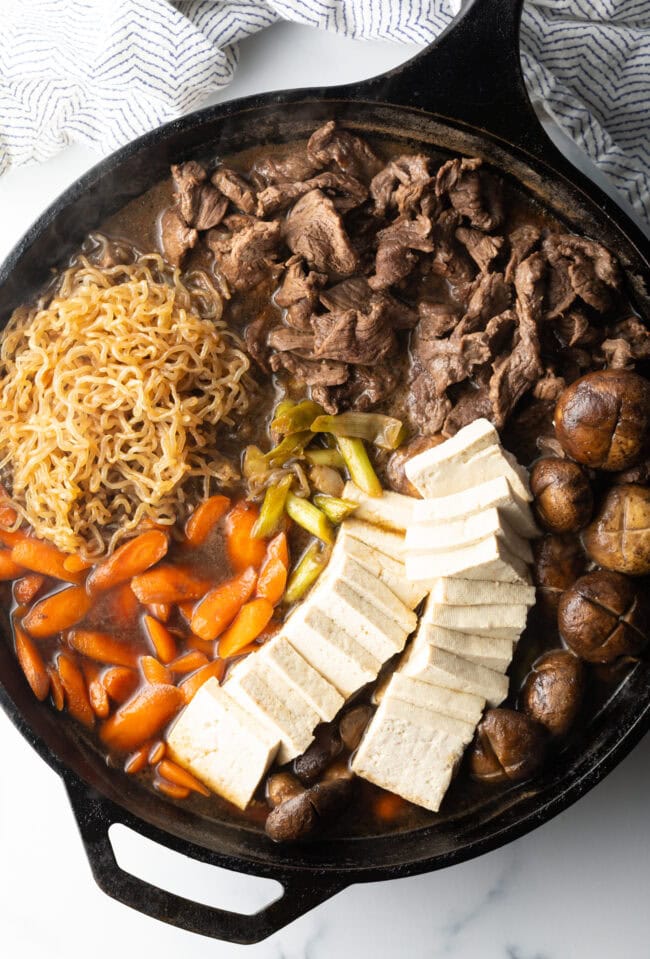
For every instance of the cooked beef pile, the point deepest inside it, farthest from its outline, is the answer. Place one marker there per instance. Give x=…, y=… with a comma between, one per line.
x=408, y=269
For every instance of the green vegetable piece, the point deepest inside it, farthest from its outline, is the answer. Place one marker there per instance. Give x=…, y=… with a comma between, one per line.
x=294, y=418
x=308, y=516
x=335, y=508
x=306, y=572
x=359, y=466
x=290, y=447
x=384, y=431
x=254, y=463
x=272, y=511
x=319, y=457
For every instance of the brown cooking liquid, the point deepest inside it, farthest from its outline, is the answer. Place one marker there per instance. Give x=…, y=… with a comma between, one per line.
x=138, y=225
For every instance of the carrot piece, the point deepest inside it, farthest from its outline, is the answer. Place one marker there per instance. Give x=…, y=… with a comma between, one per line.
x=31, y=664
x=26, y=588
x=8, y=514
x=272, y=581
x=76, y=693
x=137, y=760
x=193, y=683
x=120, y=682
x=101, y=647
x=388, y=806
x=154, y=671
x=77, y=564
x=11, y=538
x=206, y=646
x=204, y=518
x=273, y=627
x=161, y=611
x=127, y=561
x=247, y=625
x=249, y=648
x=243, y=549
x=56, y=688
x=156, y=753
x=170, y=789
x=161, y=639
x=57, y=612
x=279, y=548
x=8, y=568
x=176, y=774
x=188, y=662
x=169, y=584
x=141, y=717
x=187, y=610
x=43, y=558
x=220, y=606
x=96, y=691
x=123, y=602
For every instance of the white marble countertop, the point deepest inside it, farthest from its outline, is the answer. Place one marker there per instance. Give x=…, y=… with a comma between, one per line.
x=575, y=888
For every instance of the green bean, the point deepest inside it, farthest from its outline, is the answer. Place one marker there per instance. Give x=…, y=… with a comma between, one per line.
x=335, y=508
x=272, y=511
x=306, y=572
x=384, y=431
x=359, y=466
x=320, y=457
x=294, y=417
x=308, y=516
x=290, y=447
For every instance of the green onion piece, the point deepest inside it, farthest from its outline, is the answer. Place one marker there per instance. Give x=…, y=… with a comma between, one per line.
x=335, y=508
x=319, y=457
x=306, y=572
x=272, y=511
x=308, y=516
x=290, y=447
x=294, y=418
x=359, y=466
x=254, y=463
x=384, y=431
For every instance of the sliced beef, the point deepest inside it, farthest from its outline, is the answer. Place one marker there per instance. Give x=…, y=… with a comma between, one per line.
x=296, y=165
x=490, y=295
x=482, y=248
x=450, y=259
x=283, y=338
x=436, y=319
x=573, y=328
x=354, y=336
x=617, y=354
x=245, y=256
x=473, y=194
x=356, y=293
x=347, y=192
x=473, y=403
x=591, y=271
x=310, y=372
x=200, y=205
x=331, y=145
x=402, y=184
x=522, y=242
x=395, y=257
x=177, y=237
x=299, y=293
x=236, y=188
x=549, y=387
x=365, y=388
x=635, y=334
x=427, y=408
x=314, y=229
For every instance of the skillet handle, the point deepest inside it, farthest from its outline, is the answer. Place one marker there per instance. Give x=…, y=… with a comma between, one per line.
x=95, y=815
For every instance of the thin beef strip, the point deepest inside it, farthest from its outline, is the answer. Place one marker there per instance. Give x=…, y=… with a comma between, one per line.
x=395, y=257
x=177, y=237
x=635, y=334
x=522, y=241
x=353, y=336
x=580, y=267
x=482, y=248
x=428, y=410
x=474, y=195
x=471, y=404
x=199, y=204
x=436, y=319
x=402, y=184
x=296, y=165
x=314, y=229
x=310, y=372
x=282, y=338
x=355, y=294
x=245, y=257
x=347, y=192
x=330, y=145
x=365, y=388
x=450, y=259
x=236, y=188
x=490, y=295
x=298, y=294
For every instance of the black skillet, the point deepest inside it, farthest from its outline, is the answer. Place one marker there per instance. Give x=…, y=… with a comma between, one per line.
x=464, y=94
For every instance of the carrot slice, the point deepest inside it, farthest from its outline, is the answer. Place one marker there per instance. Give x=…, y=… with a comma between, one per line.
x=56, y=688
x=170, y=789
x=8, y=568
x=220, y=606
x=247, y=625
x=187, y=610
x=243, y=549
x=388, y=806
x=193, y=683
x=137, y=760
x=188, y=662
x=120, y=682
x=169, y=584
x=11, y=538
x=101, y=647
x=279, y=547
x=8, y=514
x=204, y=518
x=141, y=717
x=26, y=588
x=128, y=560
x=176, y=774
x=157, y=752
x=77, y=564
x=123, y=602
x=154, y=671
x=31, y=664
x=205, y=646
x=43, y=558
x=76, y=694
x=161, y=639
x=272, y=581
x=57, y=612
x=96, y=691
x=161, y=611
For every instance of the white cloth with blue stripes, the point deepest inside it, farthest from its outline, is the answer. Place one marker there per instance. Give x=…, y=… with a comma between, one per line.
x=101, y=72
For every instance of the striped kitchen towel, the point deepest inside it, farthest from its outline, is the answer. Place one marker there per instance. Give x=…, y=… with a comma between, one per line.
x=101, y=72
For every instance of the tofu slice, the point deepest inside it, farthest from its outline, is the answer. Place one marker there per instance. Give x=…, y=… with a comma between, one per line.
x=390, y=510
x=444, y=535
x=426, y=466
x=503, y=622
x=440, y=668
x=496, y=493
x=450, y=702
x=489, y=559
x=476, y=592
x=336, y=656
x=459, y=475
x=222, y=744
x=345, y=570
x=390, y=571
x=383, y=540
x=358, y=620
x=321, y=695
x=487, y=651
x=263, y=692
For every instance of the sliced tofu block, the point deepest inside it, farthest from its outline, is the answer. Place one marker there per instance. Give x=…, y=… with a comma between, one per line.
x=266, y=694
x=476, y=592
x=356, y=619
x=336, y=656
x=488, y=559
x=436, y=666
x=487, y=651
x=460, y=475
x=345, y=569
x=496, y=493
x=503, y=622
x=222, y=744
x=423, y=468
x=390, y=571
x=450, y=702
x=439, y=537
x=321, y=695
x=383, y=540
x=390, y=510
x=430, y=719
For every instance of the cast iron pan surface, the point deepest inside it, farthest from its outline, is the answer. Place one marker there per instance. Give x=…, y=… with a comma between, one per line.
x=465, y=94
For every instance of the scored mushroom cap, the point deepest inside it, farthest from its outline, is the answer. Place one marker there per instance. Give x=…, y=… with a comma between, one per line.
x=602, y=617
x=563, y=498
x=508, y=746
x=619, y=537
x=553, y=691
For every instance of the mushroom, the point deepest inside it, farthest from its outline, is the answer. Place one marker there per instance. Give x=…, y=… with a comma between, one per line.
x=508, y=746
x=563, y=497
x=307, y=813
x=314, y=761
x=619, y=537
x=282, y=786
x=602, y=419
x=395, y=474
x=559, y=561
x=602, y=617
x=352, y=725
x=553, y=691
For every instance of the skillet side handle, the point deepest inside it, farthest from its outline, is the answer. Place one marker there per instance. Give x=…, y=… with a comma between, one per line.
x=95, y=816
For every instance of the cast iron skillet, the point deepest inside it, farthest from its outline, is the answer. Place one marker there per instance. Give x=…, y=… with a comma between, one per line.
x=464, y=94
